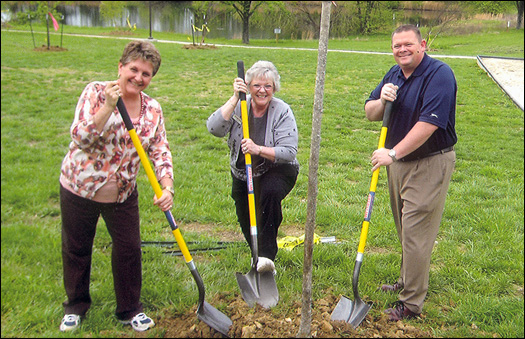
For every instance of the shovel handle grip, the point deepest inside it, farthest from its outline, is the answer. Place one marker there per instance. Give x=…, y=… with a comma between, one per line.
x=240, y=74
x=244, y=110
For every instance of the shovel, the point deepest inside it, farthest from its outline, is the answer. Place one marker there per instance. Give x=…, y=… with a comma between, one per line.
x=354, y=312
x=205, y=312
x=255, y=287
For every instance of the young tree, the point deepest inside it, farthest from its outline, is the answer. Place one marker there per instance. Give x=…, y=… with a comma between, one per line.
x=43, y=8
x=447, y=13
x=306, y=309
x=203, y=11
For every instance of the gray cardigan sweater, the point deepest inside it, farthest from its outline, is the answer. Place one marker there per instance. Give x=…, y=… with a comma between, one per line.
x=281, y=134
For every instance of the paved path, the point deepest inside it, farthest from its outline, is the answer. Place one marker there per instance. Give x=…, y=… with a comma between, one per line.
x=240, y=46
x=508, y=74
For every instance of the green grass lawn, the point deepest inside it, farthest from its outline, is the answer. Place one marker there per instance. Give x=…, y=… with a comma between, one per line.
x=476, y=279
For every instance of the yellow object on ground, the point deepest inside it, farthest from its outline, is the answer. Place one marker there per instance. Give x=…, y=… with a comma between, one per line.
x=289, y=242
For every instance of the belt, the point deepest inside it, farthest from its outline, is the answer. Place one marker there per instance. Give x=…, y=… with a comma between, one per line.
x=443, y=151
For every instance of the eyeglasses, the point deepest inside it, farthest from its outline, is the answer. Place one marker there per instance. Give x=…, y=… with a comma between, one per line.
x=267, y=88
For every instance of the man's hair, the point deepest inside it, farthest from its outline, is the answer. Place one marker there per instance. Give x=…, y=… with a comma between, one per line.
x=144, y=50
x=408, y=28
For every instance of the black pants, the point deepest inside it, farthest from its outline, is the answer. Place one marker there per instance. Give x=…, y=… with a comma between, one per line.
x=79, y=221
x=269, y=190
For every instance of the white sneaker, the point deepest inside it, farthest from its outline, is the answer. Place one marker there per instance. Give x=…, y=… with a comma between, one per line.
x=70, y=322
x=140, y=322
x=265, y=265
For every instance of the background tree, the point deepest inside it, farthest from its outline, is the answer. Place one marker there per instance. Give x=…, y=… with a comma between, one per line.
x=112, y=11
x=446, y=13
x=519, y=6
x=362, y=17
x=275, y=15
x=372, y=15
x=307, y=14
x=499, y=7
x=245, y=9
x=203, y=12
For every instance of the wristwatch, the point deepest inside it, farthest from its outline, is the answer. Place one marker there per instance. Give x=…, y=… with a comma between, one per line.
x=170, y=189
x=392, y=154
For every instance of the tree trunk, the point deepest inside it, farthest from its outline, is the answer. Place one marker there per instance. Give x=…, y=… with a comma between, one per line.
x=245, y=16
x=47, y=26
x=519, y=4
x=246, y=30
x=47, y=23
x=306, y=310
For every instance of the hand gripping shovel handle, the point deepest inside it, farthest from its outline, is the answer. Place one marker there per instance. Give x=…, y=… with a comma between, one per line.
x=249, y=174
x=205, y=312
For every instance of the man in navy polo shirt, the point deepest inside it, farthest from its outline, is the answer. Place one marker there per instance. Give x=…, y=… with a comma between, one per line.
x=419, y=156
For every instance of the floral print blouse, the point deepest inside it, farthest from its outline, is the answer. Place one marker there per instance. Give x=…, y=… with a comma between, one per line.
x=94, y=157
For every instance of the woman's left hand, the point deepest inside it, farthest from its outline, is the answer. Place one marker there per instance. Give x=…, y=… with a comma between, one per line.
x=165, y=202
x=248, y=146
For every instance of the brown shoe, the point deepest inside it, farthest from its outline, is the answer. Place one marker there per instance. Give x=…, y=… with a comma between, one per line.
x=399, y=312
x=391, y=288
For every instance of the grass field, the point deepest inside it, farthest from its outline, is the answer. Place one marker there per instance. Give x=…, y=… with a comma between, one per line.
x=476, y=279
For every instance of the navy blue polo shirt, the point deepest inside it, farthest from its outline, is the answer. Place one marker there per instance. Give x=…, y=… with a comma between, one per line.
x=428, y=95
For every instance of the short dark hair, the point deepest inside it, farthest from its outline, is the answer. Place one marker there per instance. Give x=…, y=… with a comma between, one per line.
x=408, y=28
x=141, y=49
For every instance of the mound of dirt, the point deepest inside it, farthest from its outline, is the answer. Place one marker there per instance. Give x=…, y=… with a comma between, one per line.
x=50, y=49
x=257, y=322
x=200, y=46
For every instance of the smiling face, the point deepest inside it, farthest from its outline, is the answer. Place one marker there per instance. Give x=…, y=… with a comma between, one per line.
x=408, y=50
x=261, y=90
x=135, y=76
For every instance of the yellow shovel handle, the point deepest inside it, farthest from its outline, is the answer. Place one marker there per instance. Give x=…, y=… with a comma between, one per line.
x=373, y=183
x=152, y=178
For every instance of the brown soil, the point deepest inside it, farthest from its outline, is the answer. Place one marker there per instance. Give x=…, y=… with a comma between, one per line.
x=257, y=322
x=50, y=49
x=119, y=32
x=199, y=46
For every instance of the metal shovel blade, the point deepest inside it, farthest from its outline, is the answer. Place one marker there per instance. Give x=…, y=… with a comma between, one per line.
x=214, y=318
x=351, y=312
x=258, y=288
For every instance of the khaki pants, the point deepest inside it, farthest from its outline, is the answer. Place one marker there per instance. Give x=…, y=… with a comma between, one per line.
x=418, y=190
